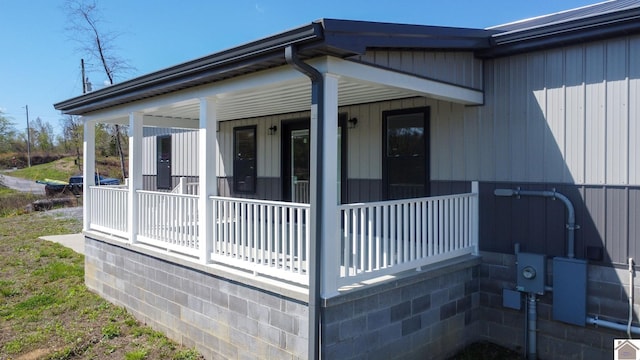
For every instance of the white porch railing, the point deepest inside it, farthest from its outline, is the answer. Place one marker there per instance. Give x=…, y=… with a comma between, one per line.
x=186, y=187
x=169, y=221
x=109, y=211
x=388, y=237
x=272, y=238
x=301, y=190
x=265, y=237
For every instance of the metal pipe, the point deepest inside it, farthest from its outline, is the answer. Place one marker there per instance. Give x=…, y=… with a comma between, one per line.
x=612, y=325
x=532, y=316
x=317, y=100
x=571, y=214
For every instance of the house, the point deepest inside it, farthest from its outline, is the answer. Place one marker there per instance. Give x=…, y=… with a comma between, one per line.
x=626, y=350
x=331, y=190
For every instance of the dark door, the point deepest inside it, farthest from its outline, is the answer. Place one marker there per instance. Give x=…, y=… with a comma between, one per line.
x=164, y=162
x=296, y=160
x=406, y=153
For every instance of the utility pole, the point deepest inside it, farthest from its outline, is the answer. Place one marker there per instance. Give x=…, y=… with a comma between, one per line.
x=84, y=82
x=28, y=138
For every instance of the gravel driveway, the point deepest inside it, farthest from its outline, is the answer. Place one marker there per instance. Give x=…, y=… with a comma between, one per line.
x=21, y=184
x=68, y=212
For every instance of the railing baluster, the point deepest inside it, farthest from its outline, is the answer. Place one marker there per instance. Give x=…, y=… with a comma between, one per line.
x=362, y=248
x=298, y=250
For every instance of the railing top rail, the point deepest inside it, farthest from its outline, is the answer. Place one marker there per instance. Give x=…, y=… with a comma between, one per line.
x=110, y=187
x=405, y=201
x=261, y=202
x=170, y=194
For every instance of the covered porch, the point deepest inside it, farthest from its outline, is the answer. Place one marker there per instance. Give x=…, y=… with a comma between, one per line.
x=358, y=242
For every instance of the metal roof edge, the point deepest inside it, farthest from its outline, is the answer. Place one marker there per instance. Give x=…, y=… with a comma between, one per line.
x=322, y=37
x=243, y=53
x=590, y=28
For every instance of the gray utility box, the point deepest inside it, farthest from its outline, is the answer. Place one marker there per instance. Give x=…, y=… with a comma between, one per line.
x=570, y=290
x=531, y=272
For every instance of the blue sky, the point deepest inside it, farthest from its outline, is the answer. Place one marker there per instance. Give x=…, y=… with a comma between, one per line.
x=40, y=65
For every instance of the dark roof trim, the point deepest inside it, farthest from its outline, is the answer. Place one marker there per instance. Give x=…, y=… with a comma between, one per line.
x=584, y=29
x=362, y=35
x=341, y=38
x=213, y=67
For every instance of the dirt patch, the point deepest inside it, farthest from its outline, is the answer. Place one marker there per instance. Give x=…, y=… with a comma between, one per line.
x=34, y=355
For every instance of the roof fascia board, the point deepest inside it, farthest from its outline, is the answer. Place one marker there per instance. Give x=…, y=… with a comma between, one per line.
x=282, y=74
x=199, y=69
x=425, y=87
x=341, y=38
x=360, y=35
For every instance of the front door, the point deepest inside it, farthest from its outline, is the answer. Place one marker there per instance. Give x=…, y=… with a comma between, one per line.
x=164, y=162
x=406, y=153
x=296, y=160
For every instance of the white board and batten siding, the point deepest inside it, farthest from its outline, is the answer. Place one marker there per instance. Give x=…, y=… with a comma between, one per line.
x=184, y=152
x=364, y=155
x=268, y=144
x=448, y=122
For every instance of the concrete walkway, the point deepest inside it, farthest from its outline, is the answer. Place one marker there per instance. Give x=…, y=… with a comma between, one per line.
x=73, y=241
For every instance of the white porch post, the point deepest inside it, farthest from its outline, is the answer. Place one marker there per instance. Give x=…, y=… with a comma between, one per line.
x=207, y=163
x=88, y=171
x=135, y=171
x=327, y=129
x=475, y=217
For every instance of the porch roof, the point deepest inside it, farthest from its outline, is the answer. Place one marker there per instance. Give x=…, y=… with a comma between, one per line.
x=326, y=37
x=285, y=90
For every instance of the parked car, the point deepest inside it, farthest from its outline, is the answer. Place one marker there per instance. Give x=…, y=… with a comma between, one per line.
x=74, y=185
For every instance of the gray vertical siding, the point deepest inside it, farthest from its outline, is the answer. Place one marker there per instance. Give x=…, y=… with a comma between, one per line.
x=461, y=68
x=607, y=217
x=566, y=115
x=565, y=118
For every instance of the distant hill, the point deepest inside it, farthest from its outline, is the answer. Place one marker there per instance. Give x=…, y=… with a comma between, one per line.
x=63, y=168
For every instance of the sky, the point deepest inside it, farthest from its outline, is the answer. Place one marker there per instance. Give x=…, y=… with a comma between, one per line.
x=40, y=61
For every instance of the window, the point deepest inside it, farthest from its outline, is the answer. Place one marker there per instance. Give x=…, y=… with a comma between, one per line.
x=244, y=159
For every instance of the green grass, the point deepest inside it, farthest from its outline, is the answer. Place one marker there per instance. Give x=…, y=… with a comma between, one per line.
x=6, y=191
x=63, y=168
x=59, y=170
x=46, y=311
x=14, y=202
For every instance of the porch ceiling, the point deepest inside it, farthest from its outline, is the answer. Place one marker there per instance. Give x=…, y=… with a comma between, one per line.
x=275, y=99
x=285, y=91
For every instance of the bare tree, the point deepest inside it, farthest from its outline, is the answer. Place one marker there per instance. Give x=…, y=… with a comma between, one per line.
x=7, y=133
x=73, y=133
x=84, y=23
x=42, y=135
